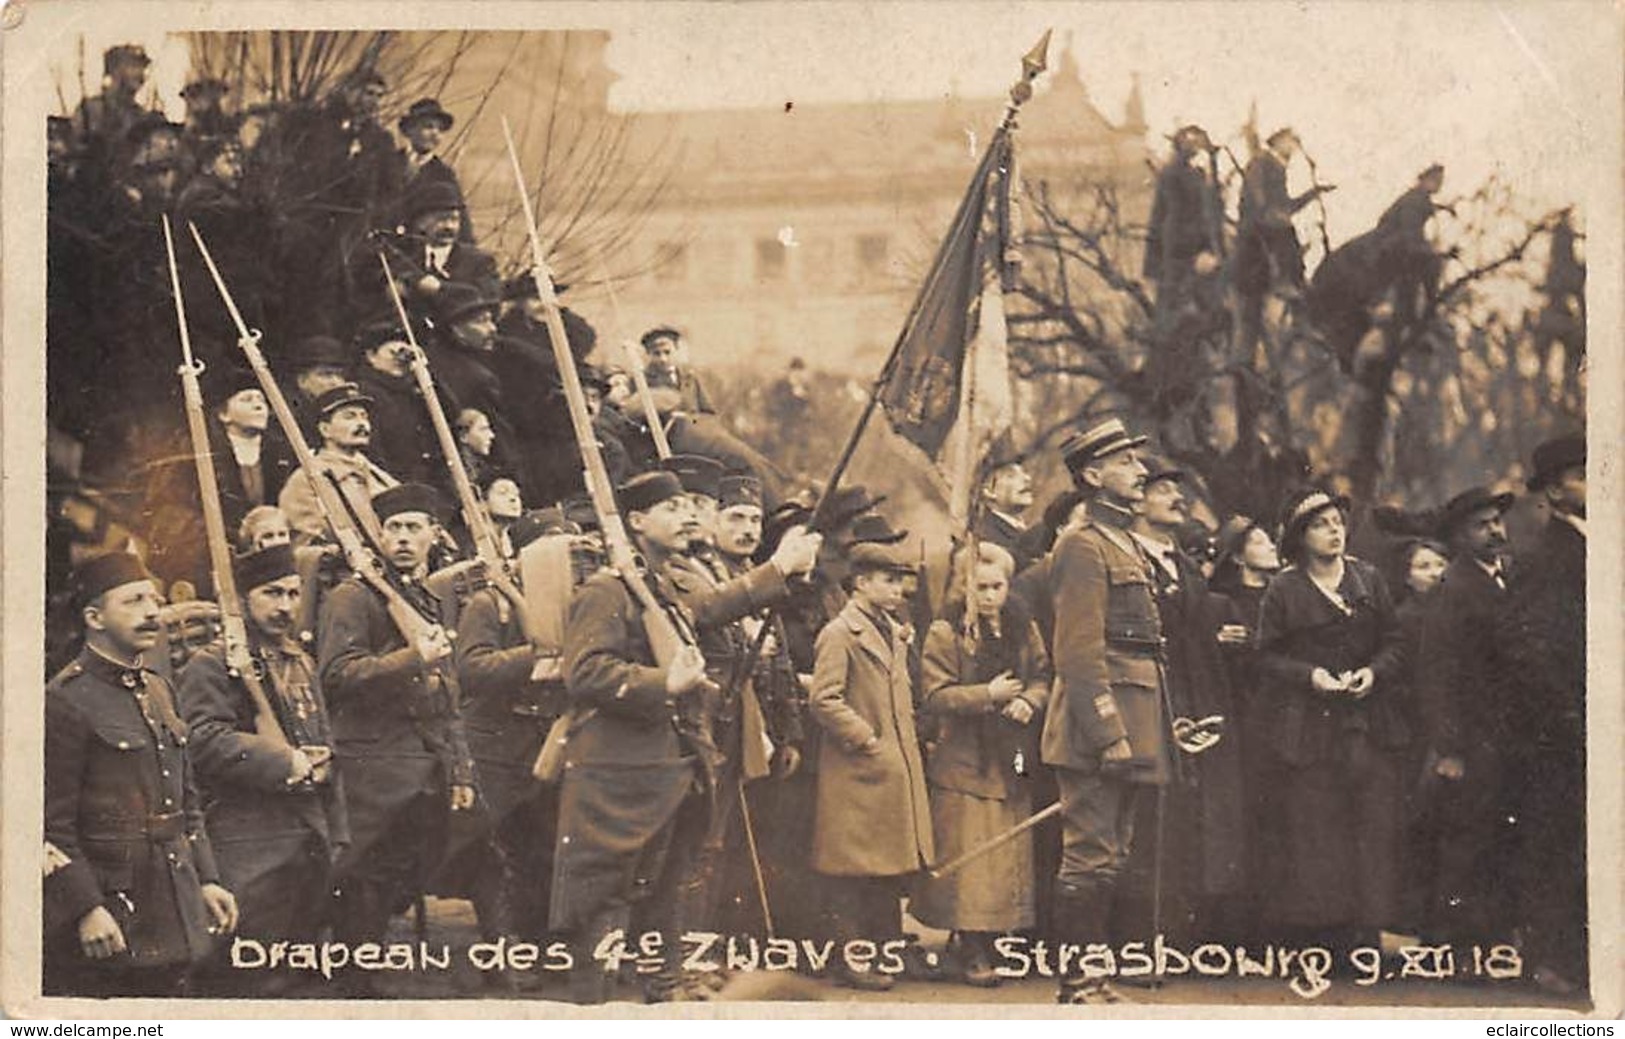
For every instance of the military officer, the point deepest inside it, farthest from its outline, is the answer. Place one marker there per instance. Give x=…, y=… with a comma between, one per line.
x=1106, y=731
x=275, y=814
x=398, y=736
x=132, y=893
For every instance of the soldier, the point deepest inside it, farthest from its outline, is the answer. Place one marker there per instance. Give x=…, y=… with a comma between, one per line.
x=639, y=753
x=398, y=737
x=513, y=695
x=1467, y=714
x=132, y=893
x=275, y=813
x=685, y=392
x=1105, y=734
x=344, y=423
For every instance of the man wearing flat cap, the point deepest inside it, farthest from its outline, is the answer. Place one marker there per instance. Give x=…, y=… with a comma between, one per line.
x=344, y=424
x=1547, y=765
x=132, y=893
x=643, y=751
x=398, y=733
x=1106, y=733
x=1468, y=710
x=275, y=811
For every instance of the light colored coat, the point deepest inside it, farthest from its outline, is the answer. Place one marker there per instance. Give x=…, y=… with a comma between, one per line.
x=872, y=818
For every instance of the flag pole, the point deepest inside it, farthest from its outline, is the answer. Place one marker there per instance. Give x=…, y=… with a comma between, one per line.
x=1032, y=64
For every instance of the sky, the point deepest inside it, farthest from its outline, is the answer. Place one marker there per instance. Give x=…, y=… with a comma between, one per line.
x=1376, y=90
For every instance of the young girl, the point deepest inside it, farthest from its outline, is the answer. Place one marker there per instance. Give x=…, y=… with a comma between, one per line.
x=983, y=691
x=872, y=824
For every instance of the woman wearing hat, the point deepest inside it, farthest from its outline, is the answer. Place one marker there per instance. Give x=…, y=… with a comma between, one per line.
x=1329, y=660
x=984, y=686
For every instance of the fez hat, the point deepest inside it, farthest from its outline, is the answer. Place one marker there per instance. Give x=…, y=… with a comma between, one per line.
x=263, y=566
x=1082, y=450
x=697, y=473
x=539, y=523
x=341, y=396
x=370, y=337
x=204, y=87
x=1554, y=457
x=866, y=556
x=113, y=57
x=318, y=352
x=409, y=497
x=739, y=489
x=1461, y=508
x=1302, y=507
x=458, y=299
x=659, y=332
x=873, y=529
x=426, y=109
x=580, y=511
x=436, y=196
x=101, y=574
x=646, y=490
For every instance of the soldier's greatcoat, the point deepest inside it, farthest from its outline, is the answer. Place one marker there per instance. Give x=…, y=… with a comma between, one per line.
x=121, y=805
x=274, y=840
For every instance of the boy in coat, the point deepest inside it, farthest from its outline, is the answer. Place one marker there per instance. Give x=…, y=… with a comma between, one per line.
x=872, y=825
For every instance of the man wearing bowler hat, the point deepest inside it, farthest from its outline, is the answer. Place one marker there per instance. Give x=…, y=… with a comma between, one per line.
x=1467, y=706
x=1549, y=760
x=275, y=811
x=132, y=892
x=428, y=250
x=425, y=126
x=1106, y=733
x=397, y=728
x=344, y=424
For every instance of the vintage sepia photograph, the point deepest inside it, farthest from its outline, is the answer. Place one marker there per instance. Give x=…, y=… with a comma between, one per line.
x=839, y=505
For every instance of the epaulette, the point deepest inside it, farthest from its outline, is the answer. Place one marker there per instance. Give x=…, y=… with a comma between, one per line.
x=73, y=670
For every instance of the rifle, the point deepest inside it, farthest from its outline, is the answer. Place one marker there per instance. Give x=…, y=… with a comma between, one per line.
x=487, y=546
x=366, y=563
x=240, y=661
x=669, y=633
x=640, y=379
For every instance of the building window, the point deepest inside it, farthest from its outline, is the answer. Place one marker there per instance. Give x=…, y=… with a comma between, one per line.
x=671, y=262
x=770, y=260
x=872, y=250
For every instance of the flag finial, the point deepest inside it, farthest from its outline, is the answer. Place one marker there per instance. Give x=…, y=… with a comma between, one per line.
x=1033, y=63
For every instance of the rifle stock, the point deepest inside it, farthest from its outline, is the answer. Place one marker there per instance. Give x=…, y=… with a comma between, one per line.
x=366, y=563
x=666, y=637
x=234, y=630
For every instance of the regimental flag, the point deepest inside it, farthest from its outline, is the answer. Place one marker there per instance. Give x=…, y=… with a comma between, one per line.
x=949, y=392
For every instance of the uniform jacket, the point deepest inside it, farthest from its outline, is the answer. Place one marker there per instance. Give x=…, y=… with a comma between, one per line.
x=505, y=713
x=692, y=398
x=971, y=748
x=872, y=818
x=1462, y=670
x=1299, y=629
x=1107, y=646
x=631, y=757
x=359, y=478
x=121, y=805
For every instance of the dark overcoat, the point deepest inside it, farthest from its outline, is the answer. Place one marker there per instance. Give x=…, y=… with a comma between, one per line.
x=122, y=806
x=628, y=765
